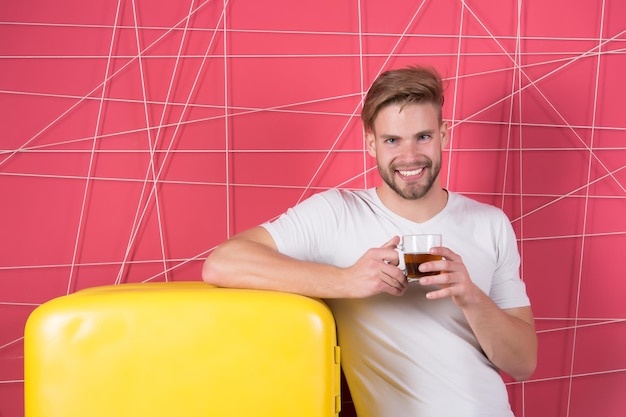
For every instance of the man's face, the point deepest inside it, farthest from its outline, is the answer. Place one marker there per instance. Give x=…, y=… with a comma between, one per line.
x=407, y=143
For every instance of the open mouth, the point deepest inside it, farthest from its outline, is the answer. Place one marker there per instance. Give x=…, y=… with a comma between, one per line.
x=411, y=173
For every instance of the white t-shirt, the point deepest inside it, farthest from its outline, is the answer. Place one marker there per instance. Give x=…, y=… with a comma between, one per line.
x=410, y=356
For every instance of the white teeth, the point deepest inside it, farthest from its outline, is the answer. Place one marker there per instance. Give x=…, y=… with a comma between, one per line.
x=410, y=173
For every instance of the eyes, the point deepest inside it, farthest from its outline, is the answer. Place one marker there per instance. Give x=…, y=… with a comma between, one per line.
x=419, y=138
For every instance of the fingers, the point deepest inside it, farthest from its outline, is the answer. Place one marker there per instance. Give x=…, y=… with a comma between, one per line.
x=381, y=265
x=451, y=262
x=394, y=280
x=376, y=271
x=453, y=280
x=436, y=267
x=392, y=243
x=394, y=277
x=459, y=291
x=394, y=288
x=442, y=293
x=387, y=252
x=446, y=253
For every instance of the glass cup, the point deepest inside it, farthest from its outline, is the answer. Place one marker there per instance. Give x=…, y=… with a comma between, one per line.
x=413, y=251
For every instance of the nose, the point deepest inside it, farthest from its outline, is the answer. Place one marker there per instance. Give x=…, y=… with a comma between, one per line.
x=412, y=148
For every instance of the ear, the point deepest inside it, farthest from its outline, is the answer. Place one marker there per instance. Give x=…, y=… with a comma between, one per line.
x=370, y=142
x=443, y=134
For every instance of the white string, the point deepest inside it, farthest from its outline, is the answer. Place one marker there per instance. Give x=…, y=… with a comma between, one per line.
x=151, y=145
x=457, y=73
x=363, y=90
x=583, y=239
x=91, y=159
x=517, y=75
x=227, y=150
x=569, y=377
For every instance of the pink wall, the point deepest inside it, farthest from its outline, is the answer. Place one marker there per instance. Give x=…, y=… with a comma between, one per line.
x=137, y=135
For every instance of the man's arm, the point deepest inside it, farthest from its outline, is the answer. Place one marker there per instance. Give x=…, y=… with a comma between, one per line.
x=507, y=337
x=251, y=260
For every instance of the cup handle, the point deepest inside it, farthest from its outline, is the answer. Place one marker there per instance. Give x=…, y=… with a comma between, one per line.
x=401, y=264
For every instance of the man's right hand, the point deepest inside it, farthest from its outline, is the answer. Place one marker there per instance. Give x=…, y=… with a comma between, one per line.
x=376, y=272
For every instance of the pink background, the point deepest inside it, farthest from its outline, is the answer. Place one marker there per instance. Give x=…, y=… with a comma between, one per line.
x=137, y=135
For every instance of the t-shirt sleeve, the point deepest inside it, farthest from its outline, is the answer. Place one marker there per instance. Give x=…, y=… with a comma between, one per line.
x=303, y=231
x=507, y=289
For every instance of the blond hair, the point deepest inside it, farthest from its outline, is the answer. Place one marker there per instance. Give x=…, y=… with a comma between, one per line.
x=410, y=85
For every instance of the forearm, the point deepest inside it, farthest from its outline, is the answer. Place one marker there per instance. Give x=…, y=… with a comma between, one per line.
x=252, y=261
x=507, y=337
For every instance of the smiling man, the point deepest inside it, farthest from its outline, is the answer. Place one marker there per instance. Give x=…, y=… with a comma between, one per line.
x=429, y=348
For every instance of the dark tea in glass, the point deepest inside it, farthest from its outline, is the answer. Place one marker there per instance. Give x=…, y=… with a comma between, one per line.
x=412, y=261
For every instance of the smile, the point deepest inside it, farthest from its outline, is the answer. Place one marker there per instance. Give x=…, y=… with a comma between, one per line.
x=411, y=173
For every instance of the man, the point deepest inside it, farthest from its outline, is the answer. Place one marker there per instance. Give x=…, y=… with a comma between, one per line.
x=429, y=348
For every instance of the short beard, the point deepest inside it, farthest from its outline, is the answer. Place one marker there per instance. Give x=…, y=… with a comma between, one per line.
x=413, y=192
